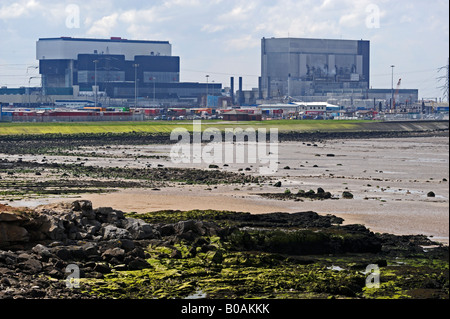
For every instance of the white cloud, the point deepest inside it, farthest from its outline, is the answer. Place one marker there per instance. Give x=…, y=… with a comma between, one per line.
x=356, y=15
x=213, y=28
x=242, y=11
x=243, y=42
x=182, y=3
x=104, y=26
x=17, y=9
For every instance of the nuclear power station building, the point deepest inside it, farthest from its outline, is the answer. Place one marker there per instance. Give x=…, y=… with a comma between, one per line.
x=122, y=68
x=306, y=67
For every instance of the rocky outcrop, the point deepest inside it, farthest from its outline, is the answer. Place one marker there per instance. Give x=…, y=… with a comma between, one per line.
x=70, y=221
x=40, y=248
x=47, y=241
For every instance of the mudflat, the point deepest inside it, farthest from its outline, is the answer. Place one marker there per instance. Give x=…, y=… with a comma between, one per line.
x=390, y=180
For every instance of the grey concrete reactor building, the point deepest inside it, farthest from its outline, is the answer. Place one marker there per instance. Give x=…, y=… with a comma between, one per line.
x=311, y=67
x=120, y=67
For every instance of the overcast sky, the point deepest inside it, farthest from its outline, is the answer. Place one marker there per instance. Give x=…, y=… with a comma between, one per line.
x=222, y=38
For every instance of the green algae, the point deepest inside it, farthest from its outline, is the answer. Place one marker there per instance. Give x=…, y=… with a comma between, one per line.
x=173, y=216
x=255, y=263
x=250, y=274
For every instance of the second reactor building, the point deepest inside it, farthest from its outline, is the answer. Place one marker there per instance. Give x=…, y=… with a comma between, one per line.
x=308, y=67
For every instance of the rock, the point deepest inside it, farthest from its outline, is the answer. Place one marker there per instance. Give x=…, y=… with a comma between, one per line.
x=12, y=233
x=215, y=257
x=188, y=236
x=183, y=227
x=6, y=282
x=176, y=254
x=138, y=264
x=32, y=266
x=90, y=249
x=431, y=194
x=52, y=227
x=167, y=230
x=102, y=268
x=82, y=205
x=127, y=244
x=113, y=232
x=347, y=195
x=36, y=292
x=137, y=252
x=108, y=215
x=42, y=251
x=139, y=229
x=77, y=252
x=11, y=217
x=117, y=253
x=62, y=253
x=5, y=271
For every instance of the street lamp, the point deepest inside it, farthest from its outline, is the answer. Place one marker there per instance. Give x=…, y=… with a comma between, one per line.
x=154, y=90
x=207, y=77
x=392, y=86
x=135, y=83
x=95, y=82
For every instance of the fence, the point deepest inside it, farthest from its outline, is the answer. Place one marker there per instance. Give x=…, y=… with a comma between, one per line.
x=410, y=117
x=101, y=118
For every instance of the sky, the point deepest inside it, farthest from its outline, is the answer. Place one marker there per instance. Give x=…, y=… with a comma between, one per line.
x=222, y=38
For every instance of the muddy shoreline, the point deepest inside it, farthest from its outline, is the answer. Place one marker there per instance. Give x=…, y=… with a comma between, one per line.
x=170, y=232
x=43, y=144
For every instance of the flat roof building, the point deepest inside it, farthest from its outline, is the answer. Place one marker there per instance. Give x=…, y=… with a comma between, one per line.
x=122, y=68
x=308, y=67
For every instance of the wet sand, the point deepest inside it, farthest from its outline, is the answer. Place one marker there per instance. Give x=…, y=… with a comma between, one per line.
x=389, y=178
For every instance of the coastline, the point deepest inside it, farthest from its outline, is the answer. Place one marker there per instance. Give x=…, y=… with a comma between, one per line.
x=389, y=178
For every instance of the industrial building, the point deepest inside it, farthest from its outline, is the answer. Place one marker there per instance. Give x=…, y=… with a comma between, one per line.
x=307, y=67
x=115, y=68
x=321, y=70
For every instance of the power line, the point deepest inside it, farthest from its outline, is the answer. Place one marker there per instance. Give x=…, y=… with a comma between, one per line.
x=445, y=87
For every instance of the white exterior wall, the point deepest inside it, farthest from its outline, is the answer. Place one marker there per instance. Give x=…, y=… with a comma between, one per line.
x=69, y=49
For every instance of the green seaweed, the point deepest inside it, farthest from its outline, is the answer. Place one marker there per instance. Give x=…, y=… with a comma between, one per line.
x=256, y=274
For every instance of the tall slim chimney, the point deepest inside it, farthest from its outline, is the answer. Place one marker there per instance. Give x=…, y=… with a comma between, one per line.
x=240, y=91
x=260, y=95
x=232, y=89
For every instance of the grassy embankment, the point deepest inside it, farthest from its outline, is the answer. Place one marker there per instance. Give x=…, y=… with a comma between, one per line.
x=167, y=127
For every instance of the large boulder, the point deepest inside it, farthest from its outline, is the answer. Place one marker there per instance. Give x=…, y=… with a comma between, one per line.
x=12, y=233
x=11, y=228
